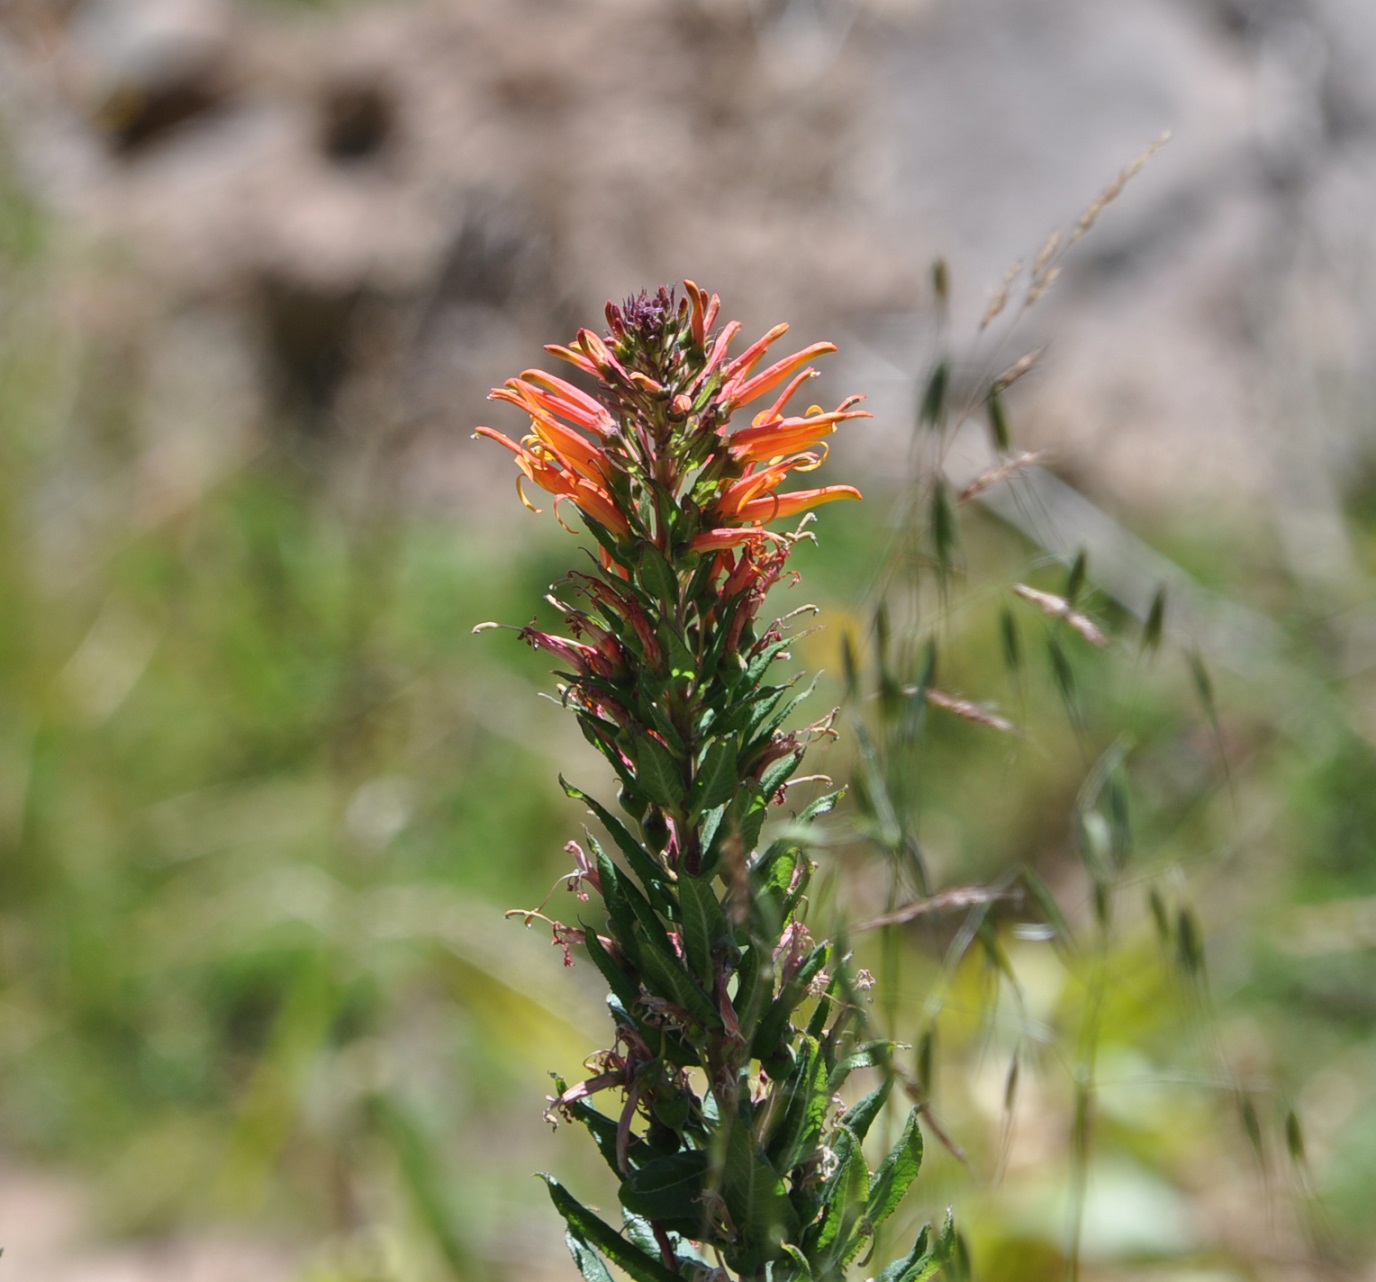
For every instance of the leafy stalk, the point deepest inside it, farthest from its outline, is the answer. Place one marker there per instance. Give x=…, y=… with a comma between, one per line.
x=733, y=1026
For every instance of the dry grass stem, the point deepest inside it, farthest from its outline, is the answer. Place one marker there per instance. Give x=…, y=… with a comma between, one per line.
x=1059, y=608
x=1115, y=188
x=1039, y=287
x=968, y=711
x=1046, y=253
x=1017, y=370
x=955, y=900
x=997, y=475
x=1000, y=299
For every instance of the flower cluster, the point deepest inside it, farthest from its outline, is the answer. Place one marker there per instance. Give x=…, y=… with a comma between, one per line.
x=669, y=393
x=734, y=1028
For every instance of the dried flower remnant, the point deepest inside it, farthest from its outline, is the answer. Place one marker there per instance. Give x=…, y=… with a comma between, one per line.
x=731, y=1035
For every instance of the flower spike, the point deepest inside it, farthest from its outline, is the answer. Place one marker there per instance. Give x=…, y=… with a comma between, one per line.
x=721, y=1135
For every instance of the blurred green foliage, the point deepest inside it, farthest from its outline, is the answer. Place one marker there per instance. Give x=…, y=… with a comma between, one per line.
x=263, y=800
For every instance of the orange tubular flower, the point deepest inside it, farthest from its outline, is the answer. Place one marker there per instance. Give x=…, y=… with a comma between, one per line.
x=556, y=396
x=773, y=437
x=564, y=482
x=741, y=391
x=718, y=540
x=779, y=507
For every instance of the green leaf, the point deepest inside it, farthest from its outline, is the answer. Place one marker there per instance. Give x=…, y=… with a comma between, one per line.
x=589, y=1263
x=770, y=1035
x=778, y=774
x=800, y=1128
x=742, y=822
x=665, y=974
x=822, y=806
x=870, y=1055
x=767, y=721
x=682, y=664
x=597, y=1233
x=717, y=779
x=704, y=924
x=918, y=1265
x=645, y=866
x=617, y=896
x=755, y=668
x=859, y=1119
x=751, y=994
x=802, y=1270
x=756, y=1196
x=658, y=773
x=709, y=824
x=623, y=985
x=603, y=1131
x=657, y=575
x=845, y=1198
x=670, y=1190
x=896, y=1172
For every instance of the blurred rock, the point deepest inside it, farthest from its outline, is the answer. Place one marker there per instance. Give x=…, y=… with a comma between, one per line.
x=401, y=203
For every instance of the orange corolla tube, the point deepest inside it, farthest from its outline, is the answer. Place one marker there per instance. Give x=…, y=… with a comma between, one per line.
x=563, y=482
x=719, y=539
x=737, y=393
x=774, y=437
x=779, y=507
x=556, y=396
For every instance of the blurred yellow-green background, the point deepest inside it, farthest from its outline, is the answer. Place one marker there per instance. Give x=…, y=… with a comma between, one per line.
x=264, y=798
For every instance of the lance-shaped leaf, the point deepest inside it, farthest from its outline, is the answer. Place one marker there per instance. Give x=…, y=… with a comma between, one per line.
x=626, y=988
x=658, y=773
x=595, y=1232
x=845, y=1198
x=896, y=1172
x=717, y=778
x=741, y=823
x=704, y=925
x=778, y=880
x=822, y=806
x=657, y=575
x=798, y=1130
x=859, y=1119
x=603, y=1131
x=870, y=1055
x=925, y=1257
x=650, y=872
x=769, y=1038
x=756, y=667
x=589, y=1263
x=757, y=1199
x=779, y=773
x=669, y=1190
x=617, y=894
x=665, y=974
x=770, y=718
x=753, y=990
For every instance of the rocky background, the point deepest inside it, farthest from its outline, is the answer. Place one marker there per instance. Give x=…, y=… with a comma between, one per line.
x=330, y=228
x=296, y=208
